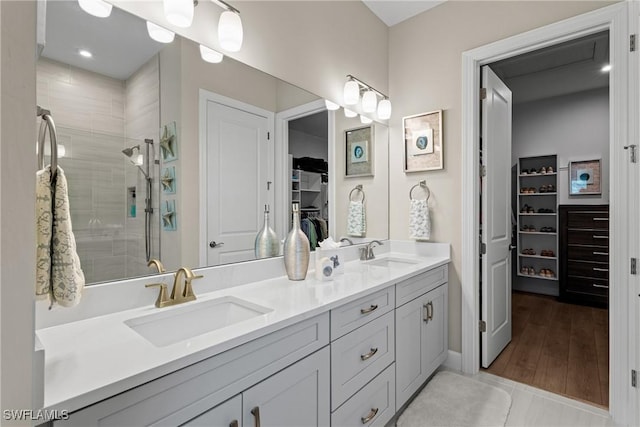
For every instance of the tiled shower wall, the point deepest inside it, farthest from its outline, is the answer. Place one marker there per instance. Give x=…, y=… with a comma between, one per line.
x=90, y=113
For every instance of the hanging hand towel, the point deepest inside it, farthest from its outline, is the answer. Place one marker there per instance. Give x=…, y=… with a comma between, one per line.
x=356, y=221
x=61, y=277
x=419, y=220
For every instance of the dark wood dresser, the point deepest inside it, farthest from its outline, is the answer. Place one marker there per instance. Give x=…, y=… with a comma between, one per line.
x=584, y=253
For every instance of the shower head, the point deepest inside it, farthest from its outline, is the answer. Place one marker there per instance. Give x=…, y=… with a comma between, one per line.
x=129, y=151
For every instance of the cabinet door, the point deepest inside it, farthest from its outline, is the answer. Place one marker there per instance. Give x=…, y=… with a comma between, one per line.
x=297, y=396
x=421, y=341
x=227, y=414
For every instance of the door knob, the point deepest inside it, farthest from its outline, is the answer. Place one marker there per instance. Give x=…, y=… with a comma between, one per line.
x=512, y=247
x=214, y=244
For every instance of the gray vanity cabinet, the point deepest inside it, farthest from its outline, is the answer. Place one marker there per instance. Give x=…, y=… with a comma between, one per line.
x=227, y=414
x=421, y=339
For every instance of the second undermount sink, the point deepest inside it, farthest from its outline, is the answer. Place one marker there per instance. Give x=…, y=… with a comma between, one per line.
x=392, y=262
x=173, y=325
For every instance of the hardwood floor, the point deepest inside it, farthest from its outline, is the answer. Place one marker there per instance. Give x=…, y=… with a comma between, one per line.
x=562, y=348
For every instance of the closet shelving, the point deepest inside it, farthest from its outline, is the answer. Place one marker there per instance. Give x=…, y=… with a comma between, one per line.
x=534, y=195
x=308, y=190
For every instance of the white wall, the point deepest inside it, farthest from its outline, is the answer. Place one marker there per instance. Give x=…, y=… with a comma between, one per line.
x=575, y=127
x=425, y=74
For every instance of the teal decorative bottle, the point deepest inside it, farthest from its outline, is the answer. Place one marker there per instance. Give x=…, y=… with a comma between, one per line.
x=296, y=249
x=266, y=244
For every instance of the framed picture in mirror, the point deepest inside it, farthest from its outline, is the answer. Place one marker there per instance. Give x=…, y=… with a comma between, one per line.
x=359, y=152
x=169, y=142
x=585, y=177
x=423, y=142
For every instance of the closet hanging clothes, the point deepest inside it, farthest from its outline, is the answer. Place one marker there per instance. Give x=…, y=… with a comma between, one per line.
x=59, y=276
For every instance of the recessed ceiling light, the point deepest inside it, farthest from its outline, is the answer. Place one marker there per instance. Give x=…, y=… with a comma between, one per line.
x=606, y=68
x=85, y=53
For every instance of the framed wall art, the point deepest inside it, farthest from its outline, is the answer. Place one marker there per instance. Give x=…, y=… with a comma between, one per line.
x=423, y=142
x=585, y=177
x=359, y=152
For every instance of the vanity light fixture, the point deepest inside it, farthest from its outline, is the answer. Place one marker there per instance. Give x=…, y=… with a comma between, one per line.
x=349, y=113
x=365, y=120
x=331, y=106
x=159, y=34
x=210, y=55
x=352, y=89
x=99, y=8
x=179, y=12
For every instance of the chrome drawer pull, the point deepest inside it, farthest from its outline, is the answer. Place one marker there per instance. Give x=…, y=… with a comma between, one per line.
x=606, y=270
x=373, y=307
x=371, y=415
x=369, y=355
x=601, y=253
x=600, y=286
x=600, y=237
x=600, y=219
x=430, y=310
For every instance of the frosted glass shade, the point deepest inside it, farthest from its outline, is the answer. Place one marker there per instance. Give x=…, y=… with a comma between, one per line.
x=98, y=8
x=230, y=32
x=210, y=55
x=331, y=106
x=384, y=109
x=365, y=120
x=349, y=113
x=369, y=102
x=159, y=34
x=351, y=93
x=179, y=12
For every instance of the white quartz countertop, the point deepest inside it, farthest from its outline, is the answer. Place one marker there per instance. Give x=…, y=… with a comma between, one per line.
x=92, y=359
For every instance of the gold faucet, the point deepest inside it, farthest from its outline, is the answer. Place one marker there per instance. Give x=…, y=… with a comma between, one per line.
x=178, y=295
x=158, y=264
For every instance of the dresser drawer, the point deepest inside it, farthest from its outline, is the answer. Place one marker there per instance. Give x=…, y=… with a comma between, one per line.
x=588, y=270
x=412, y=288
x=350, y=316
x=583, y=285
x=593, y=220
x=374, y=405
x=585, y=253
x=591, y=238
x=359, y=356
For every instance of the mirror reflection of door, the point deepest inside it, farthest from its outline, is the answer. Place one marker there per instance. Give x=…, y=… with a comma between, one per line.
x=238, y=151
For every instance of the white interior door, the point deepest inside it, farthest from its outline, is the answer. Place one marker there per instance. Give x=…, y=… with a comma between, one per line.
x=496, y=216
x=238, y=182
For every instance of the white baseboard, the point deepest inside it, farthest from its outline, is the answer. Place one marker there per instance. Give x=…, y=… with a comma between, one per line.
x=454, y=361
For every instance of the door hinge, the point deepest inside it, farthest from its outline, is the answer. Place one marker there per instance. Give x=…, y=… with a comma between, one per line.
x=632, y=150
x=268, y=136
x=634, y=378
x=483, y=248
x=632, y=43
x=483, y=93
x=634, y=266
x=483, y=326
x=483, y=170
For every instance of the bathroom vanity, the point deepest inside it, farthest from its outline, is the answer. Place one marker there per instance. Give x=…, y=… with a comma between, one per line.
x=351, y=351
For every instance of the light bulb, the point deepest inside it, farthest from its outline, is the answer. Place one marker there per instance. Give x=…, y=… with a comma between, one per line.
x=230, y=31
x=351, y=93
x=139, y=160
x=365, y=120
x=159, y=34
x=179, y=12
x=369, y=102
x=331, y=106
x=384, y=109
x=98, y=8
x=210, y=55
x=349, y=113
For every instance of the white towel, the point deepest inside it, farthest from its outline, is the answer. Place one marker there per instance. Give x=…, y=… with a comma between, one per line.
x=60, y=277
x=356, y=221
x=419, y=220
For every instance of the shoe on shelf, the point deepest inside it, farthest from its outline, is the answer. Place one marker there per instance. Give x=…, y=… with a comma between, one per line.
x=549, y=169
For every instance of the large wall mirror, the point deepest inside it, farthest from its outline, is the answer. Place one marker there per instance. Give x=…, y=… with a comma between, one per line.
x=174, y=158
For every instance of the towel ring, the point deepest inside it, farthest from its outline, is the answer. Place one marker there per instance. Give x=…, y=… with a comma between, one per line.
x=47, y=124
x=357, y=188
x=421, y=184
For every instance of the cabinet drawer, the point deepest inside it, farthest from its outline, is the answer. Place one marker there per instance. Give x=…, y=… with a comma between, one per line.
x=588, y=270
x=592, y=238
x=222, y=415
x=412, y=288
x=374, y=405
x=594, y=220
x=587, y=286
x=585, y=253
x=350, y=316
x=359, y=356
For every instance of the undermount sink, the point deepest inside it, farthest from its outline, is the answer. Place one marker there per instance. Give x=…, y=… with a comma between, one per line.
x=173, y=325
x=392, y=262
